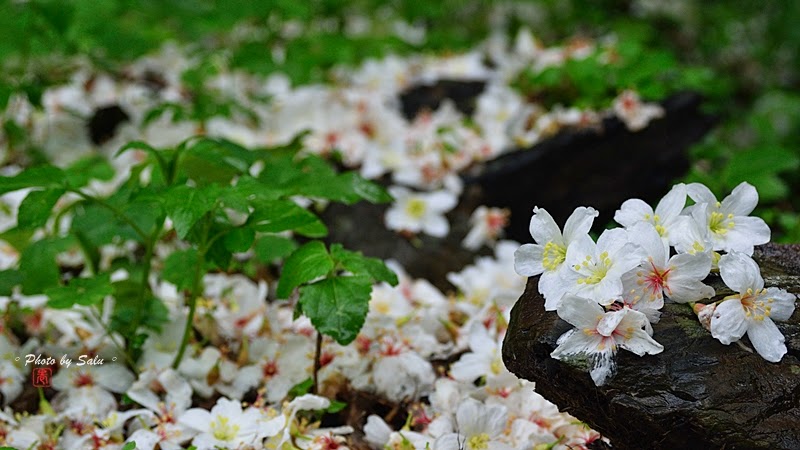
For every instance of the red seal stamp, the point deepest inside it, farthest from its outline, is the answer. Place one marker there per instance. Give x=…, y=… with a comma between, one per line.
x=42, y=376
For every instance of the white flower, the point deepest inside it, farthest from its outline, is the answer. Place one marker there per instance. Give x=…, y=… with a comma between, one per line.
x=598, y=334
x=417, y=212
x=731, y=229
x=86, y=390
x=487, y=225
x=547, y=256
x=595, y=270
x=635, y=114
x=278, y=366
x=227, y=426
x=679, y=277
x=691, y=236
x=752, y=310
x=404, y=376
x=665, y=216
x=478, y=427
x=484, y=359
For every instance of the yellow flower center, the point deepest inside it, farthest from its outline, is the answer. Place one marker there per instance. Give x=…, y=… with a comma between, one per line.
x=478, y=442
x=553, y=255
x=496, y=366
x=222, y=430
x=597, y=271
x=754, y=306
x=416, y=208
x=719, y=223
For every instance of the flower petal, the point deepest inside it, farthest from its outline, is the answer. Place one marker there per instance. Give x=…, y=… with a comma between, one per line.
x=783, y=303
x=543, y=228
x=579, y=222
x=576, y=342
x=767, y=339
x=728, y=322
x=747, y=232
x=552, y=286
x=684, y=282
x=632, y=211
x=436, y=226
x=741, y=201
x=672, y=204
x=700, y=193
x=580, y=312
x=740, y=272
x=528, y=260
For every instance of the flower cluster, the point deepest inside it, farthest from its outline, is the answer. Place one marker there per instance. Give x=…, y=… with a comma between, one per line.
x=612, y=290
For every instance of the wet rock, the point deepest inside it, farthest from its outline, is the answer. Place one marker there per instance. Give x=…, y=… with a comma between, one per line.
x=104, y=122
x=697, y=393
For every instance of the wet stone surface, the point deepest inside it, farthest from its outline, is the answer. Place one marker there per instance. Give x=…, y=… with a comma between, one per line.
x=697, y=393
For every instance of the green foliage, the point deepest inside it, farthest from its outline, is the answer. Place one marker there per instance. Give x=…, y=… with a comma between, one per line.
x=80, y=291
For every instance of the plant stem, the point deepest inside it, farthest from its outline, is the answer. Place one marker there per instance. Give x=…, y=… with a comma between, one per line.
x=187, y=330
x=317, y=364
x=99, y=317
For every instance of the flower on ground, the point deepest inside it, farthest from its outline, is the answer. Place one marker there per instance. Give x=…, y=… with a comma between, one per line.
x=680, y=277
x=728, y=221
x=598, y=334
x=547, y=255
x=487, y=225
x=595, y=270
x=228, y=426
x=752, y=310
x=633, y=112
x=478, y=427
x=418, y=212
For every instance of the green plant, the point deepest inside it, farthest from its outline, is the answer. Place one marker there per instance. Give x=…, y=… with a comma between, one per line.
x=216, y=207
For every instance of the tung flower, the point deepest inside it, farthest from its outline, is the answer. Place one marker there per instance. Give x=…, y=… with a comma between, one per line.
x=420, y=212
x=752, y=310
x=547, y=256
x=665, y=216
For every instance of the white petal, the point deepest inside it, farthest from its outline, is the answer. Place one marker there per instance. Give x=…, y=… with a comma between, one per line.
x=436, y=226
x=576, y=342
x=700, y=193
x=767, y=339
x=543, y=228
x=578, y=250
x=645, y=235
x=470, y=367
x=684, y=282
x=114, y=377
x=641, y=343
x=197, y=419
x=740, y=272
x=612, y=241
x=611, y=321
x=376, y=431
x=632, y=211
x=528, y=260
x=579, y=222
x=783, y=303
x=741, y=201
x=451, y=441
x=747, y=232
x=580, y=312
x=728, y=322
x=672, y=204
x=552, y=286
x=442, y=201
x=604, y=367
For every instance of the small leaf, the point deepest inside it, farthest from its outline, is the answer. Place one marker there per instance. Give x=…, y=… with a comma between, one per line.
x=35, y=209
x=38, y=266
x=80, y=291
x=186, y=205
x=306, y=263
x=270, y=248
x=301, y=388
x=40, y=176
x=337, y=306
x=139, y=145
x=239, y=239
x=8, y=279
x=84, y=170
x=129, y=446
x=359, y=264
x=335, y=407
x=180, y=268
x=275, y=216
x=369, y=191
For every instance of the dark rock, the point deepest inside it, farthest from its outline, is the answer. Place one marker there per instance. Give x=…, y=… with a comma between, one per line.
x=598, y=168
x=429, y=96
x=103, y=124
x=697, y=393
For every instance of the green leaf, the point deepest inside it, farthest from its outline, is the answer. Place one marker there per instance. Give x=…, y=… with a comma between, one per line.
x=133, y=310
x=239, y=239
x=180, y=268
x=301, y=388
x=337, y=306
x=305, y=264
x=215, y=161
x=270, y=248
x=359, y=264
x=38, y=266
x=80, y=291
x=275, y=216
x=97, y=167
x=35, y=209
x=129, y=446
x=369, y=191
x=186, y=205
x=8, y=279
x=40, y=176
x=335, y=407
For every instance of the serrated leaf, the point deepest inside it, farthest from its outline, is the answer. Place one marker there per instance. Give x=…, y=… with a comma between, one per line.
x=337, y=306
x=40, y=176
x=369, y=191
x=35, y=209
x=305, y=264
x=180, y=268
x=186, y=205
x=275, y=216
x=80, y=291
x=270, y=248
x=38, y=266
x=79, y=173
x=359, y=264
